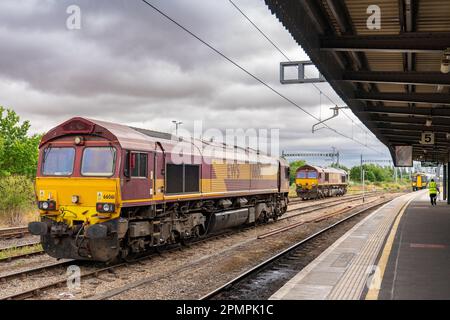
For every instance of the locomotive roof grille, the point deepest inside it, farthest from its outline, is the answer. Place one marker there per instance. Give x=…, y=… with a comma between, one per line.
x=154, y=134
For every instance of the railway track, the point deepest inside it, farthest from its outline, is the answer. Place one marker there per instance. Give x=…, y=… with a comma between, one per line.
x=33, y=292
x=299, y=200
x=29, y=272
x=16, y=232
x=329, y=204
x=283, y=259
x=94, y=273
x=9, y=252
x=153, y=279
x=55, y=284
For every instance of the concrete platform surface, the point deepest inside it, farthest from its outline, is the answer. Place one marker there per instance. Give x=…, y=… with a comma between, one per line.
x=419, y=263
x=348, y=268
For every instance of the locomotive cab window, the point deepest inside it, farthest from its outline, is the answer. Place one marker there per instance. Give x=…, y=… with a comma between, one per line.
x=98, y=161
x=136, y=164
x=312, y=174
x=58, y=161
x=301, y=174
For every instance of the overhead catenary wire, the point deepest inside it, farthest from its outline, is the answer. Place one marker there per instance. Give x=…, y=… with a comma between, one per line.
x=288, y=59
x=248, y=72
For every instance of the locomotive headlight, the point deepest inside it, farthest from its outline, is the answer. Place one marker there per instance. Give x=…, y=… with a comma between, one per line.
x=47, y=205
x=106, y=207
x=75, y=199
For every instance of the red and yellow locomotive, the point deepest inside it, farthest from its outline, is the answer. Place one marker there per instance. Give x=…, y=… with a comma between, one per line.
x=314, y=182
x=107, y=191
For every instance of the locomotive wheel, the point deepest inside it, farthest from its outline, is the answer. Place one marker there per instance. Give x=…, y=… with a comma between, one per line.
x=199, y=232
x=124, y=253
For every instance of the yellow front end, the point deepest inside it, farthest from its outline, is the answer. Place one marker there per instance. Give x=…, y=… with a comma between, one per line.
x=419, y=182
x=76, y=198
x=306, y=184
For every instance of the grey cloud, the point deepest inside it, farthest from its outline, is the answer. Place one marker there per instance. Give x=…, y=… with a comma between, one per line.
x=128, y=64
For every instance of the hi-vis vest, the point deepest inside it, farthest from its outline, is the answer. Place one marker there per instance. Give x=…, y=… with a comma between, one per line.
x=432, y=187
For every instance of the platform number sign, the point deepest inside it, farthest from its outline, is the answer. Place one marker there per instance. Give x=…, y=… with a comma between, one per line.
x=427, y=137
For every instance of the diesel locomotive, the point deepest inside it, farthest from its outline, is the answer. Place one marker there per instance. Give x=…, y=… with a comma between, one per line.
x=107, y=191
x=314, y=182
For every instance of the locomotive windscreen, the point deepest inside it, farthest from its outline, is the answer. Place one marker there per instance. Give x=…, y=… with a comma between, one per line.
x=98, y=161
x=58, y=161
x=301, y=174
x=312, y=175
x=307, y=174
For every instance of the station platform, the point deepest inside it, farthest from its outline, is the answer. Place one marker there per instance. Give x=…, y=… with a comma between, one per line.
x=400, y=251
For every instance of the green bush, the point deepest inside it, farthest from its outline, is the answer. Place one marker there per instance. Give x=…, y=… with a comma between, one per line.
x=16, y=198
x=18, y=149
x=293, y=169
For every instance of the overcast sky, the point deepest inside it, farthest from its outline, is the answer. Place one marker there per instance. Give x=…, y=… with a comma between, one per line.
x=130, y=65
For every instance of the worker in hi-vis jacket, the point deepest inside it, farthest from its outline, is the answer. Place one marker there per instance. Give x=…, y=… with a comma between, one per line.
x=433, y=190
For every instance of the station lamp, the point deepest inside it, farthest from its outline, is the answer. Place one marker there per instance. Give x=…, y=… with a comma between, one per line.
x=428, y=122
x=177, y=124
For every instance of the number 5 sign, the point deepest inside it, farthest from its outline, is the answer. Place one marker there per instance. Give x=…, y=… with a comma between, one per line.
x=427, y=137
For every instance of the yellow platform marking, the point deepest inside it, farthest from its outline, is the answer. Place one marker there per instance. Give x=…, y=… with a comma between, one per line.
x=373, y=293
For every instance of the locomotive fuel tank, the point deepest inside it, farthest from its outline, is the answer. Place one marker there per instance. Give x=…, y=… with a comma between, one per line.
x=228, y=219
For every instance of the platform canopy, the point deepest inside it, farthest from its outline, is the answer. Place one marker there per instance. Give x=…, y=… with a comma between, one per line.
x=391, y=74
